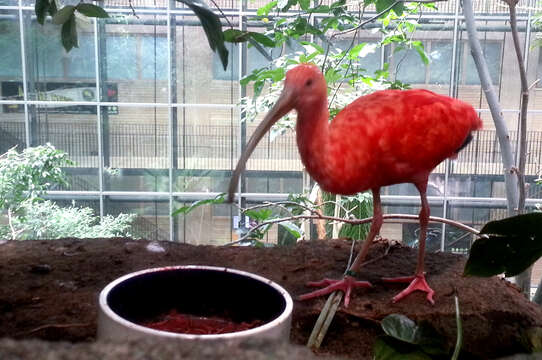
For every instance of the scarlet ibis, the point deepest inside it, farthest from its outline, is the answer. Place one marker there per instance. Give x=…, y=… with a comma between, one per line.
x=385, y=138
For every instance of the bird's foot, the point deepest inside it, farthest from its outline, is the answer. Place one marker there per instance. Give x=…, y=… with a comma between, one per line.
x=329, y=285
x=417, y=282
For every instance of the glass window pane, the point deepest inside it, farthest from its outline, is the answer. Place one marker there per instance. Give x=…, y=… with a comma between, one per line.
x=199, y=77
x=135, y=143
x=135, y=54
x=409, y=67
x=460, y=241
x=81, y=62
x=492, y=54
x=74, y=133
x=275, y=165
x=206, y=146
x=441, y=62
x=152, y=220
x=12, y=128
x=121, y=56
x=10, y=56
x=154, y=57
x=53, y=74
x=206, y=225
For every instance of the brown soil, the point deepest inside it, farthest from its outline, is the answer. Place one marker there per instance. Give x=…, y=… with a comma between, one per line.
x=49, y=290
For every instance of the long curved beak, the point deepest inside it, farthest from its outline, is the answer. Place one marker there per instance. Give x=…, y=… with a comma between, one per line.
x=284, y=104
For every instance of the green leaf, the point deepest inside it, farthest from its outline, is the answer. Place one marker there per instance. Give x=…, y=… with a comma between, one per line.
x=219, y=199
x=354, y=52
x=69, y=33
x=292, y=228
x=236, y=35
x=259, y=215
x=387, y=348
x=266, y=9
x=304, y=4
x=402, y=328
x=91, y=10
x=52, y=8
x=418, y=46
x=258, y=87
x=317, y=48
x=382, y=5
x=322, y=9
x=41, y=7
x=212, y=27
x=332, y=76
x=512, y=245
x=262, y=39
x=63, y=15
x=399, y=8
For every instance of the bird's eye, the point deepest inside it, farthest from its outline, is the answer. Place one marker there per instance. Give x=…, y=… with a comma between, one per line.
x=308, y=82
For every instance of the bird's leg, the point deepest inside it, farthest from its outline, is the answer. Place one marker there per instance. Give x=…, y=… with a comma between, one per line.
x=348, y=282
x=417, y=282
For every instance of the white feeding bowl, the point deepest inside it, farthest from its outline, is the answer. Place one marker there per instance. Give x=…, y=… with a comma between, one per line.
x=203, y=291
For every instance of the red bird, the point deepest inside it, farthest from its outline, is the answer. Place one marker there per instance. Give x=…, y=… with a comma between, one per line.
x=385, y=138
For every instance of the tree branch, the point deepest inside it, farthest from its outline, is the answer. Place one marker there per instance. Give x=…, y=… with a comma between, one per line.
x=371, y=19
x=354, y=222
x=524, y=105
x=523, y=280
x=510, y=178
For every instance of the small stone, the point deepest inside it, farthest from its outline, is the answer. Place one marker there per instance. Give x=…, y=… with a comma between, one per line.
x=155, y=247
x=130, y=247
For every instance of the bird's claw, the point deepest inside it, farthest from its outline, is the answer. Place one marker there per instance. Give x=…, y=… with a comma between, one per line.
x=345, y=285
x=417, y=282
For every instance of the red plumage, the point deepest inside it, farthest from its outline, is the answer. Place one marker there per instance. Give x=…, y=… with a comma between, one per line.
x=384, y=138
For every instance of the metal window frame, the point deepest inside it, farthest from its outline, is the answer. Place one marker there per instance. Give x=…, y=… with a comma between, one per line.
x=242, y=13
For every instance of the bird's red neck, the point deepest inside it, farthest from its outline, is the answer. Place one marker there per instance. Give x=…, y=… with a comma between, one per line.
x=312, y=132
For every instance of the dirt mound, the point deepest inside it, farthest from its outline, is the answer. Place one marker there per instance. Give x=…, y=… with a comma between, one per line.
x=49, y=290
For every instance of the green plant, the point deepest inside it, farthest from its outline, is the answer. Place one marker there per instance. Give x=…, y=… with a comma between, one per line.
x=24, y=178
x=406, y=340
x=506, y=246
x=47, y=220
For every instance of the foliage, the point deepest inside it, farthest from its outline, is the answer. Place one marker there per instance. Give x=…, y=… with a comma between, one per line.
x=509, y=246
x=359, y=206
x=24, y=178
x=27, y=175
x=67, y=15
x=47, y=220
x=219, y=199
x=345, y=73
x=405, y=339
x=212, y=26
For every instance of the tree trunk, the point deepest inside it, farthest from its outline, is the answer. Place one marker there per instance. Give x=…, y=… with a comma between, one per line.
x=523, y=280
x=512, y=174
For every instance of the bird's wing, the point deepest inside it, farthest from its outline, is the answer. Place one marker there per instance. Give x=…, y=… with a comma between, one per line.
x=400, y=134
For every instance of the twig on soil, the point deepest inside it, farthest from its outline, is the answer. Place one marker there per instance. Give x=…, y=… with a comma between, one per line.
x=56, y=326
x=459, y=340
x=327, y=314
x=324, y=320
